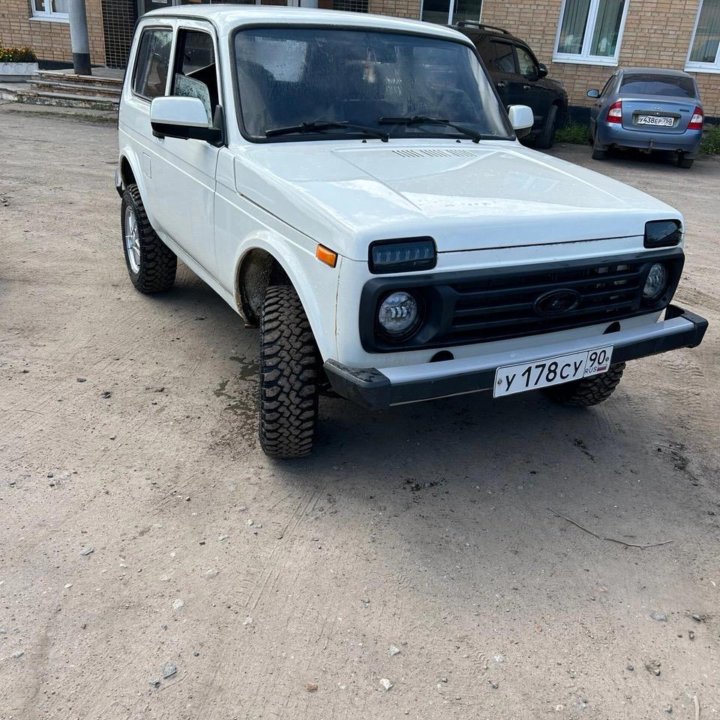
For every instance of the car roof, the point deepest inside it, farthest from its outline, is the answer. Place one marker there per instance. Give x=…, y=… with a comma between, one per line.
x=488, y=31
x=656, y=71
x=228, y=18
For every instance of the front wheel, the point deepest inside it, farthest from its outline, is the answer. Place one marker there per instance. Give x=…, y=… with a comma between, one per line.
x=288, y=376
x=587, y=392
x=546, y=139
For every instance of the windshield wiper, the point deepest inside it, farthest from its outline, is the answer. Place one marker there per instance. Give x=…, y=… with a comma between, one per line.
x=322, y=125
x=425, y=120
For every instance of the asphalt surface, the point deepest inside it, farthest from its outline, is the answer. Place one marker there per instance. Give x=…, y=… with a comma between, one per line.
x=143, y=528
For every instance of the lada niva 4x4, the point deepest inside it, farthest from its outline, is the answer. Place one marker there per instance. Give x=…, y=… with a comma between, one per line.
x=353, y=185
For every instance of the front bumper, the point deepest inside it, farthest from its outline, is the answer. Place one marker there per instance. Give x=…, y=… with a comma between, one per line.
x=376, y=389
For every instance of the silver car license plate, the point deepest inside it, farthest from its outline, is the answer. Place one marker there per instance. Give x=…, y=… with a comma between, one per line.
x=511, y=379
x=655, y=120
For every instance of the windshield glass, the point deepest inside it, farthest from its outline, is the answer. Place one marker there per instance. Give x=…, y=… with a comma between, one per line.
x=347, y=81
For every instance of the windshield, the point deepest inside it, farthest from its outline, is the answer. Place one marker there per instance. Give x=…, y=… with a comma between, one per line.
x=324, y=83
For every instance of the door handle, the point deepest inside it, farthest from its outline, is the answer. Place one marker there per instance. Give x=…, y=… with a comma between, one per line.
x=501, y=84
x=526, y=87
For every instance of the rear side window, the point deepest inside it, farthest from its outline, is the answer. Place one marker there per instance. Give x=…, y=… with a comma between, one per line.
x=649, y=84
x=153, y=60
x=503, y=57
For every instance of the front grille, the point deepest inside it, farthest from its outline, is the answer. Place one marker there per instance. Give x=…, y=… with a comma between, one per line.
x=499, y=308
x=498, y=304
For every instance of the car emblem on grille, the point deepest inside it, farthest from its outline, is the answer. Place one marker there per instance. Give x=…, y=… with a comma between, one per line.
x=556, y=302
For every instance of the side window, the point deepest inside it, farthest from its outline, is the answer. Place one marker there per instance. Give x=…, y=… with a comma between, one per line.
x=195, y=72
x=153, y=60
x=526, y=63
x=504, y=58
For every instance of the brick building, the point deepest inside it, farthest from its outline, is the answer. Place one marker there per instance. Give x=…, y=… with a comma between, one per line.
x=581, y=41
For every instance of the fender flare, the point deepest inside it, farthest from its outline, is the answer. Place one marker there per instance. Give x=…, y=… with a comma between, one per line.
x=321, y=321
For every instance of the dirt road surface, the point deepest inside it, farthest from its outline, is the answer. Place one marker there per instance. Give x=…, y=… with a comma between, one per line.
x=142, y=527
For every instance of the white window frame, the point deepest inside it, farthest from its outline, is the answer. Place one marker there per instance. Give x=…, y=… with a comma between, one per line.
x=584, y=57
x=702, y=67
x=48, y=15
x=451, y=10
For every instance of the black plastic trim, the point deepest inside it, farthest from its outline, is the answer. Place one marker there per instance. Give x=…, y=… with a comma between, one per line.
x=435, y=290
x=369, y=388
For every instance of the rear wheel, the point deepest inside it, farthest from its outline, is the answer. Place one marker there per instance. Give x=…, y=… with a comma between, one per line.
x=288, y=376
x=685, y=162
x=587, y=392
x=599, y=152
x=151, y=264
x=546, y=139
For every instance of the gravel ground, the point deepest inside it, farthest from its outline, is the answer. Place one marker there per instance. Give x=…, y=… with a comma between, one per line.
x=155, y=564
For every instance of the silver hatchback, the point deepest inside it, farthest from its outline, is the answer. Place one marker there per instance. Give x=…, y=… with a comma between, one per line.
x=649, y=109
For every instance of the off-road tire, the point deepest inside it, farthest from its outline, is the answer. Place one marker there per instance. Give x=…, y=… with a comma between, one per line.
x=598, y=151
x=288, y=376
x=546, y=139
x=587, y=392
x=158, y=263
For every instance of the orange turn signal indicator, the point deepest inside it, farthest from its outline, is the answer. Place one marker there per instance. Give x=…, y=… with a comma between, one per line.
x=326, y=255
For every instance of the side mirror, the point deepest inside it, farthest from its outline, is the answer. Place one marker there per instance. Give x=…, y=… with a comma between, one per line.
x=522, y=119
x=182, y=117
x=593, y=93
x=542, y=70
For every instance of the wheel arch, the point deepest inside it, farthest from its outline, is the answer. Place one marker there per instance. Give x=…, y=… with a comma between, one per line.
x=260, y=266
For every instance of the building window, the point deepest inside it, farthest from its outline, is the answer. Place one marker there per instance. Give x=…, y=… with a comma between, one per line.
x=448, y=12
x=705, y=47
x=50, y=9
x=590, y=31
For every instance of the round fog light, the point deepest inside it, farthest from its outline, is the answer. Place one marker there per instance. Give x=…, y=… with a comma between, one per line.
x=656, y=282
x=398, y=313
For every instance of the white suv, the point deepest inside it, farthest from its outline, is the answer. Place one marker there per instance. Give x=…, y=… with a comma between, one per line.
x=352, y=184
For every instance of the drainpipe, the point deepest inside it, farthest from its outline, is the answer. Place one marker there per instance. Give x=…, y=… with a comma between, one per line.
x=79, y=37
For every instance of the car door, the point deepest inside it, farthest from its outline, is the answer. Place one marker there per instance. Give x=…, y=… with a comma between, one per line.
x=599, y=102
x=149, y=80
x=503, y=69
x=531, y=91
x=185, y=170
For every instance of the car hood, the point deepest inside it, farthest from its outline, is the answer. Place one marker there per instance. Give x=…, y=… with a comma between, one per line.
x=466, y=196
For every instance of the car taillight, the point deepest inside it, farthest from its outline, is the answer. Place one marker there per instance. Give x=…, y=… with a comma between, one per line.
x=696, y=121
x=615, y=112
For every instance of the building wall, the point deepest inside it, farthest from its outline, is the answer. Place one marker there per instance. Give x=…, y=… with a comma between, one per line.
x=657, y=34
x=397, y=8
x=49, y=39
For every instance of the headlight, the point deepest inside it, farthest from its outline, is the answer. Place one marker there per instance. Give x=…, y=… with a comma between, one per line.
x=656, y=283
x=405, y=255
x=662, y=233
x=398, y=314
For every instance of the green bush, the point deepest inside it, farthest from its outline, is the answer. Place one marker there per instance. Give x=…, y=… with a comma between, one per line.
x=17, y=54
x=575, y=133
x=710, y=144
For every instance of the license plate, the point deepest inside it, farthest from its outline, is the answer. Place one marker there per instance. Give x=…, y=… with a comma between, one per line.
x=655, y=120
x=511, y=379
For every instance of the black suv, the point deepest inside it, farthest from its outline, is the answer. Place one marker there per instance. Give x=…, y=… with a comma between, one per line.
x=519, y=78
